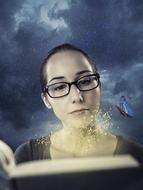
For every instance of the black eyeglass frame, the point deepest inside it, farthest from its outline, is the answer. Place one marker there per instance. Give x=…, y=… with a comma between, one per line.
x=45, y=90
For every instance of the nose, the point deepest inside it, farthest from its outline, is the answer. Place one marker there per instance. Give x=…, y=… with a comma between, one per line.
x=76, y=95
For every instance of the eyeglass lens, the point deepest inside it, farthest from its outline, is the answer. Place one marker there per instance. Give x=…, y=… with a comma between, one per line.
x=62, y=88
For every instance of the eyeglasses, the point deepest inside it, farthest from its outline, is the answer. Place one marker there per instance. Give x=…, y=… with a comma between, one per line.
x=61, y=89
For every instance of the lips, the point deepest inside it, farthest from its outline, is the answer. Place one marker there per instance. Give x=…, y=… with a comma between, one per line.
x=79, y=110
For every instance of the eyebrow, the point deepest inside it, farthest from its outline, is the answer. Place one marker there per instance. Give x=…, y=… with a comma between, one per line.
x=82, y=72
x=78, y=73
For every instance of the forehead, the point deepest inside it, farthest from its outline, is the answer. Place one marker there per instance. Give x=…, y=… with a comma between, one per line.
x=67, y=64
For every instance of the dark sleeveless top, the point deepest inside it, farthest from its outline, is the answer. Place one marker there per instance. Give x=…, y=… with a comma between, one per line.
x=39, y=149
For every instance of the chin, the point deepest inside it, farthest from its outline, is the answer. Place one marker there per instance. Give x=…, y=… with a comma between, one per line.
x=80, y=122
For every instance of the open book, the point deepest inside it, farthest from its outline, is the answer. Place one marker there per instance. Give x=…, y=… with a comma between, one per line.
x=65, y=173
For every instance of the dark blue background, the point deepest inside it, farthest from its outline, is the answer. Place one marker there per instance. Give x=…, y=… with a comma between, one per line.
x=111, y=31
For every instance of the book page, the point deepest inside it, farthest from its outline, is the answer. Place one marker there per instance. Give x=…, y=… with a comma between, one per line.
x=73, y=165
x=7, y=160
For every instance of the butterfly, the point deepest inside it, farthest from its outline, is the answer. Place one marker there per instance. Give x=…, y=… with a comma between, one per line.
x=124, y=108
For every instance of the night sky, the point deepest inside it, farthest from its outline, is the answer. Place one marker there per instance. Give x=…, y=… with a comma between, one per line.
x=111, y=31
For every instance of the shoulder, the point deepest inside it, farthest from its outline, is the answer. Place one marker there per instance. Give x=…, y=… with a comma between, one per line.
x=125, y=146
x=33, y=149
x=122, y=142
x=22, y=153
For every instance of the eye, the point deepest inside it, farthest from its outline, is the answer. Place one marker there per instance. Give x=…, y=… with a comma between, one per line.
x=86, y=81
x=58, y=87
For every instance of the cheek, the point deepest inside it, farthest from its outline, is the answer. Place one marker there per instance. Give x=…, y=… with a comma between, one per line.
x=59, y=109
x=93, y=98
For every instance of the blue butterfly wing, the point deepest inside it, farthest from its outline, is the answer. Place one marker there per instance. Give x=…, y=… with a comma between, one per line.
x=126, y=107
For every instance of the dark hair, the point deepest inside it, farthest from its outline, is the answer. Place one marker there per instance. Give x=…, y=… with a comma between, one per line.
x=60, y=48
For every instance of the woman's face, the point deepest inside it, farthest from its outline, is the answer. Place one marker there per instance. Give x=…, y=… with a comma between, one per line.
x=77, y=106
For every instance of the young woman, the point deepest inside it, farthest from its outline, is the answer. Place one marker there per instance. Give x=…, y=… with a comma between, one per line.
x=71, y=88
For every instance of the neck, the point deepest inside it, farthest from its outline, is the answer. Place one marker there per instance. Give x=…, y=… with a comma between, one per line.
x=74, y=134
x=71, y=140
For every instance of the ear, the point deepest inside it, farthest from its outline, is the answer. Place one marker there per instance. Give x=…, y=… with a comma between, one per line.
x=46, y=101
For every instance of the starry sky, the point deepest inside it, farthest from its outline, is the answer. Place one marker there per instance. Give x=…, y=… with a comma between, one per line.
x=110, y=31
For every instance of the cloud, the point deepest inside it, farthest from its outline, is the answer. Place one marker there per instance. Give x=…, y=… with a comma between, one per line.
x=39, y=127
x=123, y=80
x=130, y=81
x=126, y=81
x=25, y=39
x=108, y=33
x=28, y=31
x=42, y=13
x=122, y=86
x=7, y=10
x=111, y=32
